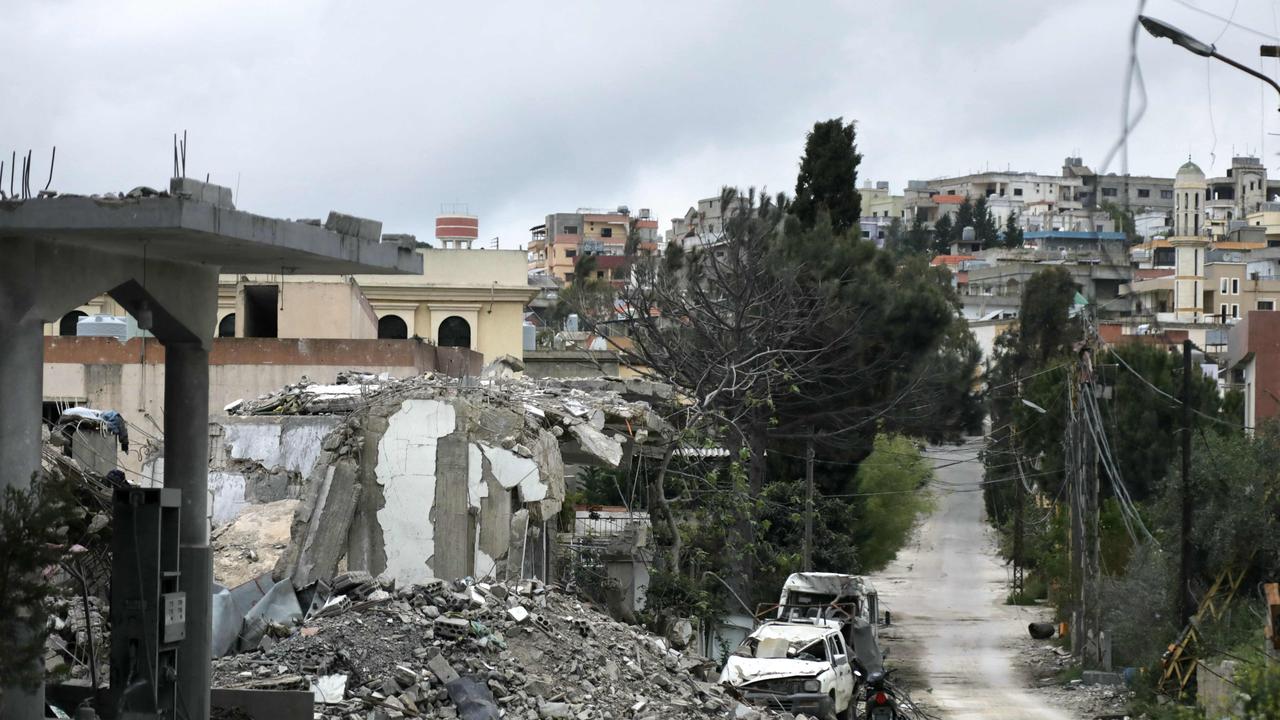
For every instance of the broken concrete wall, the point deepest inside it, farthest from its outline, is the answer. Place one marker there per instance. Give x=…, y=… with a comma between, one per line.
x=406, y=471
x=430, y=495
x=261, y=459
x=426, y=479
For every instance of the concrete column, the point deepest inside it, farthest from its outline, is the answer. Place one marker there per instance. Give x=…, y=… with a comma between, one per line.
x=21, y=382
x=186, y=467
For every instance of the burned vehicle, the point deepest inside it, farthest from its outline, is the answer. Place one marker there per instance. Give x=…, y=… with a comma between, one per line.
x=795, y=668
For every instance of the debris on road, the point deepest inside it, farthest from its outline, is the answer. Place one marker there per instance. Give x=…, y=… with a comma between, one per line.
x=1047, y=662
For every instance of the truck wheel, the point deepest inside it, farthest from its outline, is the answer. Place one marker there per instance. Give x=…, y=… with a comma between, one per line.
x=835, y=714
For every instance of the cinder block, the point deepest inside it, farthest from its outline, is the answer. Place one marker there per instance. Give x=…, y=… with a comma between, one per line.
x=202, y=192
x=355, y=226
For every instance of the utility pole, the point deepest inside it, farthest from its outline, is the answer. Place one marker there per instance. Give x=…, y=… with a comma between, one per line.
x=1092, y=608
x=1075, y=491
x=807, y=560
x=1019, y=503
x=1186, y=599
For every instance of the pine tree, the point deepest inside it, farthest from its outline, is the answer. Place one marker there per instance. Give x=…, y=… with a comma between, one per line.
x=964, y=219
x=984, y=224
x=918, y=240
x=1012, y=232
x=828, y=179
x=943, y=235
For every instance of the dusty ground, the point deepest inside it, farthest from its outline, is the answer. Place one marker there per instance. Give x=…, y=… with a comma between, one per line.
x=249, y=546
x=963, y=651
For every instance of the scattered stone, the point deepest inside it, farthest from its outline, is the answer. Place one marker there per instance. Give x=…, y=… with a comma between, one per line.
x=391, y=659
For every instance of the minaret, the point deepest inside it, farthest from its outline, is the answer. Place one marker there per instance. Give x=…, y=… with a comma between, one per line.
x=1189, y=241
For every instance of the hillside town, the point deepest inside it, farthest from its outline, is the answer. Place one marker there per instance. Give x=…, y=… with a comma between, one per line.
x=998, y=444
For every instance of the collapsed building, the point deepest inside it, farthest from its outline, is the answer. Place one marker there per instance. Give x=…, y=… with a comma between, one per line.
x=427, y=477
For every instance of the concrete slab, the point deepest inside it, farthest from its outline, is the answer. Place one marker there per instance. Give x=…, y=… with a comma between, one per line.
x=189, y=230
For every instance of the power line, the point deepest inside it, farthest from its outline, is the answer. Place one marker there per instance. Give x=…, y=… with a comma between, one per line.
x=1174, y=400
x=1228, y=20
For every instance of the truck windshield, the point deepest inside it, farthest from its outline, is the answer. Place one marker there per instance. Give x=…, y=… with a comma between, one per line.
x=779, y=648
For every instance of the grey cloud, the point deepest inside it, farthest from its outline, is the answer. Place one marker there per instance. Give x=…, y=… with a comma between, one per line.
x=388, y=109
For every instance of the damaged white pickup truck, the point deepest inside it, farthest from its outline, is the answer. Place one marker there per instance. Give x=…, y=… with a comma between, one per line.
x=794, y=668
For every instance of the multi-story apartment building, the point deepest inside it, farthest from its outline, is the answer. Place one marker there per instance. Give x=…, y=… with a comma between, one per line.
x=556, y=245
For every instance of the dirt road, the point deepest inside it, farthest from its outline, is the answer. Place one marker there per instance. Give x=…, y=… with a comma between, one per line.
x=946, y=591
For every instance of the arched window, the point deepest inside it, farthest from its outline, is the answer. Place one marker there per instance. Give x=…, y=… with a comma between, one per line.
x=392, y=327
x=227, y=327
x=67, y=325
x=454, y=332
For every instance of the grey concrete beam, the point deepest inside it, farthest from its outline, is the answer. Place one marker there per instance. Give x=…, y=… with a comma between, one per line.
x=187, y=230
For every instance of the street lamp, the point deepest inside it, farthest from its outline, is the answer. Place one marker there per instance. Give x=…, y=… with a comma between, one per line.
x=1162, y=29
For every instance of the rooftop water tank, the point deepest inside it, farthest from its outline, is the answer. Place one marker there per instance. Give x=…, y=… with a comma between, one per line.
x=530, y=337
x=104, y=326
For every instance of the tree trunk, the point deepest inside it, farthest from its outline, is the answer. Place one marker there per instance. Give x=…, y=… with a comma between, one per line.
x=664, y=523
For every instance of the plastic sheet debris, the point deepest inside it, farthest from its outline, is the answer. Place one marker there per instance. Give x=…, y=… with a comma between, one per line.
x=329, y=689
x=473, y=699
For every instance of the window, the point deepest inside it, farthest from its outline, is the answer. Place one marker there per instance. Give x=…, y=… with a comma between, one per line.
x=1235, y=286
x=1222, y=311
x=570, y=230
x=67, y=325
x=1144, y=193
x=606, y=232
x=1222, y=286
x=454, y=332
x=227, y=326
x=1166, y=194
x=570, y=253
x=1108, y=192
x=392, y=327
x=1266, y=304
x=261, y=314
x=1017, y=192
x=568, y=277
x=1235, y=310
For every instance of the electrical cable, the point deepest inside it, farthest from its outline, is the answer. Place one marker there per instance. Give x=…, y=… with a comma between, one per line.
x=1229, y=22
x=1176, y=401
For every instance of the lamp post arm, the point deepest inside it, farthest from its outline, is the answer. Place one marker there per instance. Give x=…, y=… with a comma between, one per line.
x=1247, y=69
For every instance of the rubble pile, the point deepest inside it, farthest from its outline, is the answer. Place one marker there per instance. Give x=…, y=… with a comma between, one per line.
x=475, y=651
x=1047, y=662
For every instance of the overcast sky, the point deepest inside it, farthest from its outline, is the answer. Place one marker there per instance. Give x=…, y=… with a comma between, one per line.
x=518, y=109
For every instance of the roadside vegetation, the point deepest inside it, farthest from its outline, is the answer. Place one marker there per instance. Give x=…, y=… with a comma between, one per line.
x=1235, y=487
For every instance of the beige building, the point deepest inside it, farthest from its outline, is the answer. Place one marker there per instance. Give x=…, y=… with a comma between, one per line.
x=464, y=298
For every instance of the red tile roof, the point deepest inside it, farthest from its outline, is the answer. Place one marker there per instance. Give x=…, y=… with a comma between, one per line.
x=948, y=199
x=950, y=259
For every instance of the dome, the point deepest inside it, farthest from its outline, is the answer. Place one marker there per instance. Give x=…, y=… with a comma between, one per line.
x=1190, y=169
x=1189, y=176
